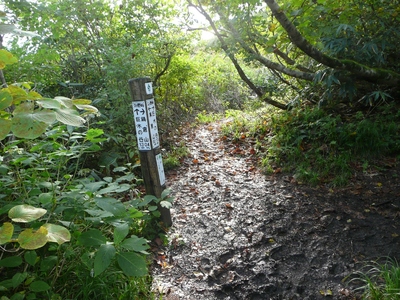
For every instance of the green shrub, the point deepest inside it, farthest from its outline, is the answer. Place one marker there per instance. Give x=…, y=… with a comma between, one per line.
x=106, y=217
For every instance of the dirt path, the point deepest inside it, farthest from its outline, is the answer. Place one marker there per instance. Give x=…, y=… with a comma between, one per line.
x=238, y=234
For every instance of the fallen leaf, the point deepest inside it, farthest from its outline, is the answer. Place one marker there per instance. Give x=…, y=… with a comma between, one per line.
x=217, y=183
x=326, y=292
x=395, y=235
x=345, y=292
x=228, y=205
x=195, y=161
x=278, y=170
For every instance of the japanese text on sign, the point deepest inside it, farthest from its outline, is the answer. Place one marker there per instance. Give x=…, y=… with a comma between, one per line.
x=141, y=124
x=160, y=168
x=151, y=112
x=149, y=88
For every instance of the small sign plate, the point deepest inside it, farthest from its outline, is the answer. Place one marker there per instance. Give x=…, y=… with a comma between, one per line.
x=149, y=88
x=141, y=125
x=151, y=113
x=160, y=168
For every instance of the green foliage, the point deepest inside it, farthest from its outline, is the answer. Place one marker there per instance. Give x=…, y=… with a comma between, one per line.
x=314, y=145
x=204, y=117
x=27, y=114
x=193, y=84
x=28, y=238
x=174, y=155
x=378, y=281
x=105, y=223
x=317, y=145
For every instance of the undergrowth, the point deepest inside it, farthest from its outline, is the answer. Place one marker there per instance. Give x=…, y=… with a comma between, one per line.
x=109, y=223
x=315, y=145
x=378, y=281
x=173, y=157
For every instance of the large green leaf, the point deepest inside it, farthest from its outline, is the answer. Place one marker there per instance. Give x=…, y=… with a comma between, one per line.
x=5, y=128
x=135, y=243
x=25, y=213
x=39, y=286
x=94, y=186
x=132, y=264
x=49, y=103
x=30, y=125
x=11, y=262
x=120, y=232
x=57, y=234
x=81, y=101
x=103, y=258
x=87, y=108
x=115, y=188
x=19, y=94
x=92, y=237
x=111, y=205
x=64, y=101
x=6, y=58
x=31, y=257
x=99, y=213
x=18, y=278
x=69, y=117
x=29, y=239
x=5, y=99
x=6, y=232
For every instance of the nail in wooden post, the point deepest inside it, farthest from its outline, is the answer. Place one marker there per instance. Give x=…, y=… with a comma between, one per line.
x=144, y=111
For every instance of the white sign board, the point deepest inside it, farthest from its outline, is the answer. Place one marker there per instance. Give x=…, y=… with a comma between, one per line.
x=141, y=124
x=149, y=88
x=151, y=113
x=160, y=168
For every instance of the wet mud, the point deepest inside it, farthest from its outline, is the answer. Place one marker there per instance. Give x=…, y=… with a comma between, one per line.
x=240, y=234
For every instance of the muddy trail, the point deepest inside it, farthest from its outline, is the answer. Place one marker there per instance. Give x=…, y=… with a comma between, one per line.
x=239, y=234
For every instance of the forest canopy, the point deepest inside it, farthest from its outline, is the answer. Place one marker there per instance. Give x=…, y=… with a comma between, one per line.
x=348, y=48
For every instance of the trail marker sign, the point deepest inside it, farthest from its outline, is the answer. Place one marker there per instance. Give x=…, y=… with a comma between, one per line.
x=144, y=112
x=141, y=125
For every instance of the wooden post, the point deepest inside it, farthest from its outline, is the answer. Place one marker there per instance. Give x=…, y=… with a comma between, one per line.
x=148, y=141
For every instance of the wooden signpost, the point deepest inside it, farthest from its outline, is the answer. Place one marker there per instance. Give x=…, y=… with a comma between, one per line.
x=144, y=112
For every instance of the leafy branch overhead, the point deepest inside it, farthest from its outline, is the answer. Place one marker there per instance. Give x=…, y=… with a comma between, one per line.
x=299, y=40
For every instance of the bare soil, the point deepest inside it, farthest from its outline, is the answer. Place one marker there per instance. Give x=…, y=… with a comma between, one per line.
x=240, y=234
